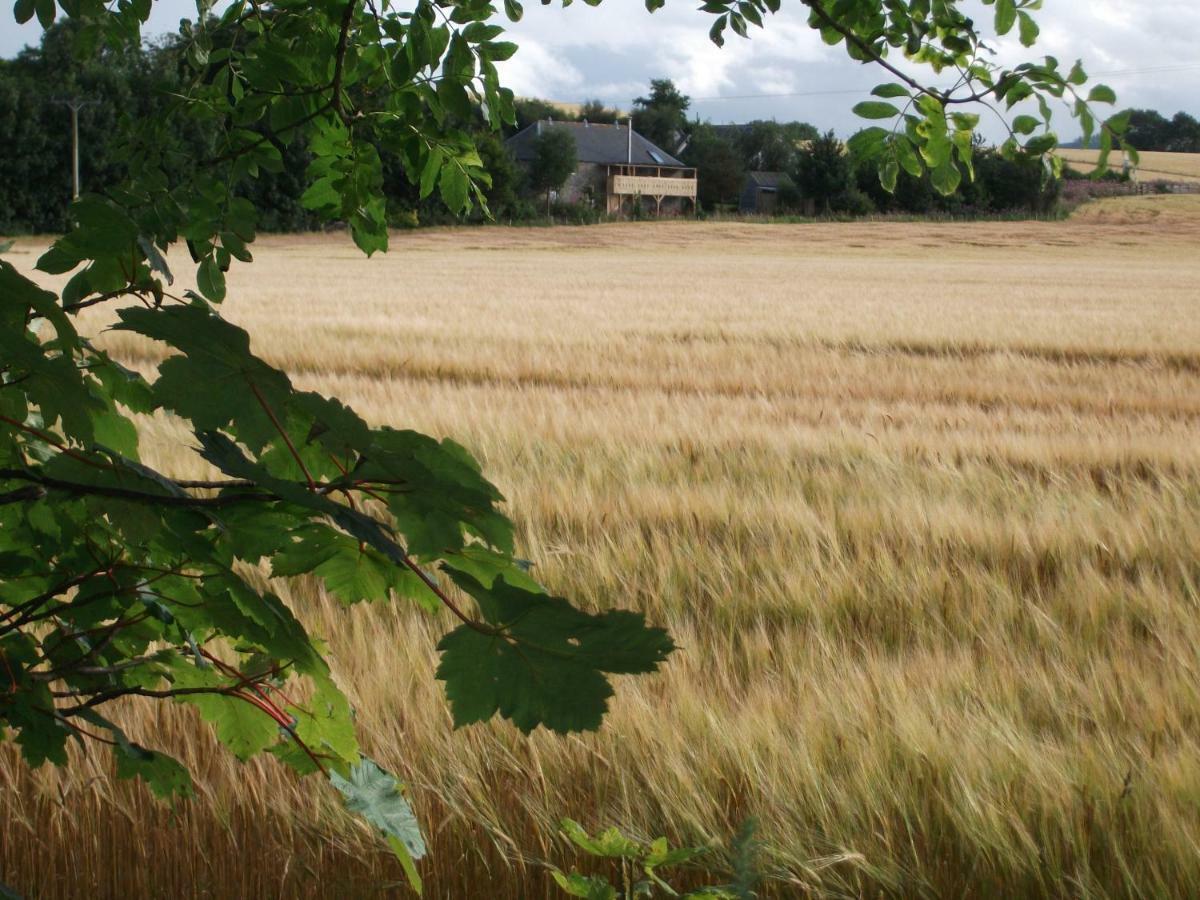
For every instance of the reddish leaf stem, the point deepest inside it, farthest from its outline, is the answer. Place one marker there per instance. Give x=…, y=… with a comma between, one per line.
x=312, y=484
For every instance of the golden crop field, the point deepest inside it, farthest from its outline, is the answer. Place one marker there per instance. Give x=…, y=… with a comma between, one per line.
x=1154, y=166
x=919, y=502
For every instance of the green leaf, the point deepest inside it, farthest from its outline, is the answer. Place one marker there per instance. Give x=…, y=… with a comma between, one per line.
x=907, y=156
x=889, y=172
x=453, y=185
x=499, y=50
x=378, y=797
x=1006, y=16
x=326, y=723
x=946, y=178
x=868, y=143
x=46, y=12
x=1025, y=124
x=407, y=863
x=590, y=887
x=875, y=109
x=351, y=572
x=101, y=228
x=165, y=776
x=1029, y=30
x=609, y=843
x=1102, y=93
x=23, y=10
x=242, y=727
x=891, y=91
x=486, y=566
x=211, y=280
x=540, y=661
x=716, y=33
x=1043, y=143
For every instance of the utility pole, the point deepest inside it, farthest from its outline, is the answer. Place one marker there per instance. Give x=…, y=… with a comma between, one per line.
x=75, y=105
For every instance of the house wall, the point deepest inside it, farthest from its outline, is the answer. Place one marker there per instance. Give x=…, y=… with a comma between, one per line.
x=589, y=184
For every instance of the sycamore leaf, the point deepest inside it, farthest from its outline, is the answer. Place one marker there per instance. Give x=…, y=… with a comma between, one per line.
x=164, y=775
x=540, y=661
x=242, y=727
x=610, y=842
x=326, y=722
x=590, y=887
x=378, y=797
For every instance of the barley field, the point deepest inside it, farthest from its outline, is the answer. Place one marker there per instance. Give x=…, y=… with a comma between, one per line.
x=919, y=502
x=1154, y=166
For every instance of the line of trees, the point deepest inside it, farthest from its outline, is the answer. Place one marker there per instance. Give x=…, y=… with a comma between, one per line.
x=139, y=83
x=1151, y=130
x=819, y=175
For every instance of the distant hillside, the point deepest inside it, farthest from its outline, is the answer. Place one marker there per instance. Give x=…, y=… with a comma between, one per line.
x=569, y=110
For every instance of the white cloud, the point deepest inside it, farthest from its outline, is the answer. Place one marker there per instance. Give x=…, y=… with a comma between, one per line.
x=536, y=71
x=612, y=51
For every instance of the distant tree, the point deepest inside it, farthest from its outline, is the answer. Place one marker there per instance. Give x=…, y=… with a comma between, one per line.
x=823, y=171
x=1184, y=135
x=718, y=166
x=528, y=111
x=596, y=112
x=662, y=116
x=769, y=146
x=554, y=161
x=1151, y=130
x=1148, y=129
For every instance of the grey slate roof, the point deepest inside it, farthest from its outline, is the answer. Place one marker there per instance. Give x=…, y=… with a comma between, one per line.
x=768, y=180
x=605, y=144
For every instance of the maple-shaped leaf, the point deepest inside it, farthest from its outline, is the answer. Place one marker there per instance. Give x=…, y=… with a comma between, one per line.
x=378, y=797
x=165, y=775
x=351, y=571
x=540, y=661
x=242, y=727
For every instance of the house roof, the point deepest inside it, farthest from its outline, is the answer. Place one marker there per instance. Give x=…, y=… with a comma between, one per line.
x=596, y=144
x=768, y=180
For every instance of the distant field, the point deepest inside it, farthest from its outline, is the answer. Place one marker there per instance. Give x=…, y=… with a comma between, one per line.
x=920, y=502
x=1153, y=167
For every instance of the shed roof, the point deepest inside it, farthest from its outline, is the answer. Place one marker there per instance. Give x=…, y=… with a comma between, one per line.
x=768, y=180
x=596, y=144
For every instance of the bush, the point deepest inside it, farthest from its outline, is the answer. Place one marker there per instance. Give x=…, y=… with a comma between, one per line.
x=575, y=213
x=854, y=202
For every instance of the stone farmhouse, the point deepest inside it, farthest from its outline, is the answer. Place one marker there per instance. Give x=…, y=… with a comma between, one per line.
x=617, y=169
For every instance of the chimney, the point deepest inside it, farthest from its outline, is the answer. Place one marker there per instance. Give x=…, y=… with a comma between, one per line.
x=629, y=144
x=539, y=127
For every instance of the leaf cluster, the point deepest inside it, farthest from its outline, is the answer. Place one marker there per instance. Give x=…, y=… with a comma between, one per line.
x=640, y=866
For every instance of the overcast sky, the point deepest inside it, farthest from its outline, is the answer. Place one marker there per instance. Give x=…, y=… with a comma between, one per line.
x=1148, y=51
